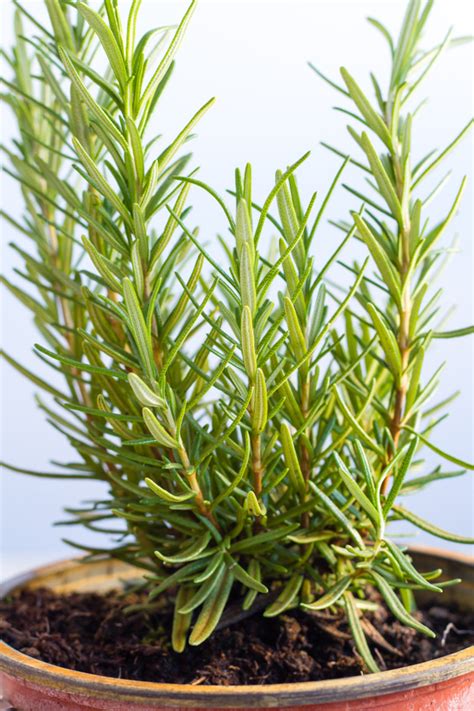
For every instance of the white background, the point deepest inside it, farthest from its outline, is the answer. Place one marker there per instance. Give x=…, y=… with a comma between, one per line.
x=271, y=108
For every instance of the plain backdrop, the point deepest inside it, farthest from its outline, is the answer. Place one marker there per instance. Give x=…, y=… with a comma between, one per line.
x=270, y=109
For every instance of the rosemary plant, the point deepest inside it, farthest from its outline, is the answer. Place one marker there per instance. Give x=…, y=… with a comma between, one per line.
x=386, y=397
x=252, y=456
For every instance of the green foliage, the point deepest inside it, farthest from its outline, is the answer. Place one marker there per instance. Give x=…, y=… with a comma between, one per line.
x=248, y=449
x=390, y=331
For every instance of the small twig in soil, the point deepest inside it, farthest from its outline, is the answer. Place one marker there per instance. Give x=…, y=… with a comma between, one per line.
x=376, y=637
x=381, y=660
x=450, y=627
x=199, y=680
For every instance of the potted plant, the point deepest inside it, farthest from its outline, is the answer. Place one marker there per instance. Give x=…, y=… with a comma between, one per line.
x=254, y=426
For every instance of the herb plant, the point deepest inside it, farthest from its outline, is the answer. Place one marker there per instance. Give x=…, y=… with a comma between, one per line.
x=253, y=455
x=386, y=397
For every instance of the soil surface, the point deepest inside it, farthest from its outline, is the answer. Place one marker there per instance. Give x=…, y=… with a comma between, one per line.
x=91, y=633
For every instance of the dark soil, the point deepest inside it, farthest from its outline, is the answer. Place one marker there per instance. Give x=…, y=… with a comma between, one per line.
x=91, y=633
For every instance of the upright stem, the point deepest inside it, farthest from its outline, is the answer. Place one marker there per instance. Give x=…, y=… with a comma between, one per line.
x=403, y=335
x=191, y=476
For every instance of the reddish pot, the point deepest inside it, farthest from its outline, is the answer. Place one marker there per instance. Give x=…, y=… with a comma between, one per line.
x=445, y=684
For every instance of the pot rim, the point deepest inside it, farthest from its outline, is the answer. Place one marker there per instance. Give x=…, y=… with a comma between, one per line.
x=19, y=665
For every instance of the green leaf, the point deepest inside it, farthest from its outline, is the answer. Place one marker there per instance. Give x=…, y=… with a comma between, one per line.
x=255, y=572
x=327, y=198
x=78, y=365
x=358, y=633
x=419, y=482
x=403, y=561
x=388, y=343
x=456, y=333
x=406, y=41
x=267, y=281
x=412, y=391
x=291, y=459
x=399, y=477
x=374, y=121
x=247, y=279
x=331, y=596
x=356, y=491
x=366, y=471
x=145, y=395
x=165, y=495
x=248, y=342
x=131, y=30
x=396, y=607
x=28, y=301
x=419, y=522
x=103, y=266
x=243, y=227
x=384, y=183
x=185, y=330
x=213, y=565
x=260, y=539
x=356, y=426
x=389, y=275
x=308, y=536
x=244, y=576
x=137, y=149
x=190, y=553
x=46, y=475
x=437, y=450
x=292, y=280
x=297, y=338
x=213, y=193
x=443, y=154
x=140, y=229
x=212, y=610
x=184, y=134
x=99, y=114
x=289, y=219
x=184, y=573
x=181, y=621
x=436, y=233
x=180, y=308
x=327, y=80
x=32, y=377
x=62, y=31
x=203, y=592
x=168, y=57
x=259, y=403
x=107, y=41
x=383, y=30
x=158, y=431
x=273, y=193
x=287, y=597
x=138, y=327
x=224, y=495
x=337, y=514
x=99, y=180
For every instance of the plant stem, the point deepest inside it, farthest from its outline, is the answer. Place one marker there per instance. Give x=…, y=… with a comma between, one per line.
x=191, y=476
x=403, y=335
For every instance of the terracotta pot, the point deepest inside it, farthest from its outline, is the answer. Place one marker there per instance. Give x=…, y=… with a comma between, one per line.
x=445, y=684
